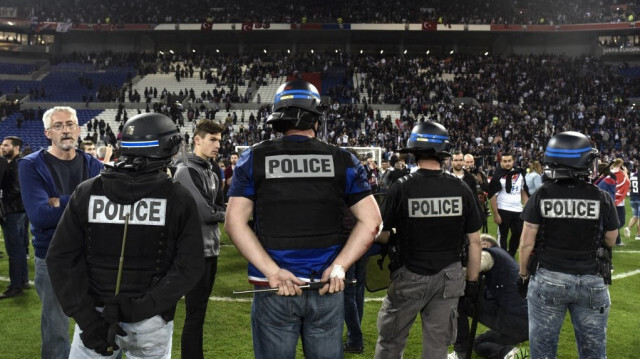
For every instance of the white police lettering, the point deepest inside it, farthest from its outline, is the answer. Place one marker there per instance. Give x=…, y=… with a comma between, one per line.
x=297, y=166
x=435, y=207
x=570, y=208
x=147, y=211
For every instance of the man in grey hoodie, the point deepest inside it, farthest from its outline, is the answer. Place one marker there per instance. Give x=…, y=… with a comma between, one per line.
x=201, y=177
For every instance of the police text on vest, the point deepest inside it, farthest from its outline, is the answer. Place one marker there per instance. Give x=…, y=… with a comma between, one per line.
x=147, y=211
x=435, y=207
x=297, y=166
x=570, y=208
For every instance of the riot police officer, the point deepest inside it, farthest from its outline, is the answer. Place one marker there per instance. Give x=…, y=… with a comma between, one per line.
x=296, y=188
x=432, y=212
x=134, y=217
x=570, y=226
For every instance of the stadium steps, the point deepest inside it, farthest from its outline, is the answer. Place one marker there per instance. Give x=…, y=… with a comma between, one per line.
x=268, y=92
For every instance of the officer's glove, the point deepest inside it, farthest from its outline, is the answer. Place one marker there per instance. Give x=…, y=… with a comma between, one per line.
x=124, y=306
x=94, y=337
x=472, y=290
x=523, y=286
x=111, y=315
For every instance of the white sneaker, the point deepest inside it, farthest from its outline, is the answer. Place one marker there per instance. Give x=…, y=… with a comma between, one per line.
x=627, y=232
x=453, y=355
x=518, y=353
x=637, y=238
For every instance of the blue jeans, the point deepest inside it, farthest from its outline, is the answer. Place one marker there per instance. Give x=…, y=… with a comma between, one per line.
x=13, y=229
x=149, y=338
x=54, y=324
x=586, y=297
x=635, y=207
x=277, y=322
x=354, y=302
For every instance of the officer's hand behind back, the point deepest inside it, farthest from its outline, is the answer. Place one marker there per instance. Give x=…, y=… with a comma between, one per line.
x=334, y=277
x=287, y=283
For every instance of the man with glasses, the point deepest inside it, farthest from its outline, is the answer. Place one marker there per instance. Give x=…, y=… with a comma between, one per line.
x=47, y=179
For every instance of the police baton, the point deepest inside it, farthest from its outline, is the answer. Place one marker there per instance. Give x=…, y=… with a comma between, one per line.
x=124, y=243
x=477, y=306
x=113, y=327
x=314, y=285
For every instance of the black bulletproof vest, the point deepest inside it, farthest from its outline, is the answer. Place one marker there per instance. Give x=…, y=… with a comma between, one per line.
x=147, y=255
x=300, y=189
x=432, y=230
x=571, y=214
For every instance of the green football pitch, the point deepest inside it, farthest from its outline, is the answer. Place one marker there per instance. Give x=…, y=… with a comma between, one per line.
x=228, y=331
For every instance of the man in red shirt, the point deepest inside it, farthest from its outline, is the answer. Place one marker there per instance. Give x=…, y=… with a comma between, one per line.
x=622, y=188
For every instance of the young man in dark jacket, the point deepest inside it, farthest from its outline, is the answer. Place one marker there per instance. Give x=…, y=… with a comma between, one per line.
x=201, y=178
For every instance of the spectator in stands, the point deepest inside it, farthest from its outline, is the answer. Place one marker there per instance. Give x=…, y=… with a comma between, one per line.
x=88, y=147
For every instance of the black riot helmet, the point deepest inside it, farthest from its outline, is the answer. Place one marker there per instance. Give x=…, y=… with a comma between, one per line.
x=428, y=139
x=569, y=155
x=296, y=105
x=151, y=135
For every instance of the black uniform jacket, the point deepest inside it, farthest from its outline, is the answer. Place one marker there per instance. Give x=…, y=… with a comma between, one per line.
x=155, y=280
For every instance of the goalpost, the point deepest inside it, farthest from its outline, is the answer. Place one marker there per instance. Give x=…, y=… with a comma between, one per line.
x=363, y=152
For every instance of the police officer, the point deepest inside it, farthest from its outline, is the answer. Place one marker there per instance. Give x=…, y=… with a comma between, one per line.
x=296, y=187
x=136, y=216
x=567, y=223
x=432, y=212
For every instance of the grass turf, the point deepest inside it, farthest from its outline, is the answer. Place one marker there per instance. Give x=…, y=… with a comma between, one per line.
x=228, y=330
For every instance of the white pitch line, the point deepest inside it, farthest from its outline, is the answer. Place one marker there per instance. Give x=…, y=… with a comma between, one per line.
x=626, y=274
x=6, y=279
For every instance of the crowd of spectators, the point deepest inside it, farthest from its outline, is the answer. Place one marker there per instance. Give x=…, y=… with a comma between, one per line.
x=517, y=102
x=332, y=11
x=520, y=101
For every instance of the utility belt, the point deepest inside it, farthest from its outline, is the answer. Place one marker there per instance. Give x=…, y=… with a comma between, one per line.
x=602, y=257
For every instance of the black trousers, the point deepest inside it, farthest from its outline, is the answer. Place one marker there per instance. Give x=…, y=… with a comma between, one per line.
x=510, y=222
x=196, y=309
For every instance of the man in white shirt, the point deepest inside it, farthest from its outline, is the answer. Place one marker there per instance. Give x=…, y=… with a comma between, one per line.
x=508, y=193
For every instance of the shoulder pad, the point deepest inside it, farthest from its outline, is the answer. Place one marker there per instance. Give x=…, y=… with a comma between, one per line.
x=405, y=178
x=449, y=174
x=263, y=142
